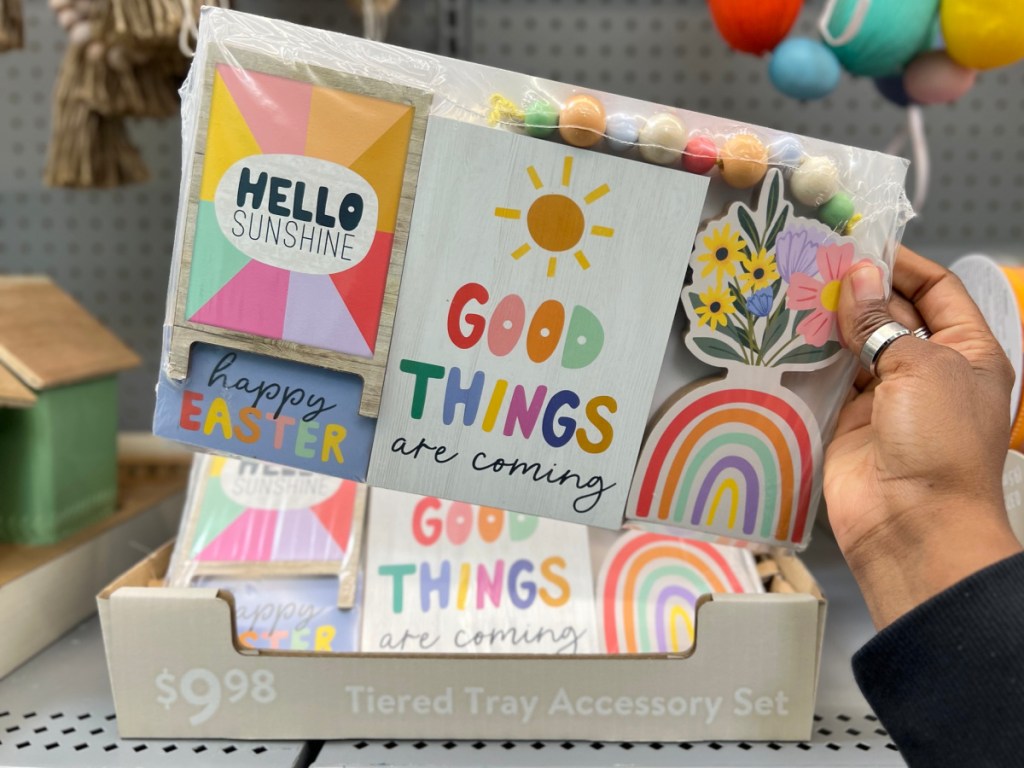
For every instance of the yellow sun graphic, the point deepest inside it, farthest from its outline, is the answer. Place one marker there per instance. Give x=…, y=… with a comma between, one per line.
x=556, y=222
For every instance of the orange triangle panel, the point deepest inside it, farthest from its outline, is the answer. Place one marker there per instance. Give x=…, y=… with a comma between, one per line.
x=383, y=165
x=344, y=125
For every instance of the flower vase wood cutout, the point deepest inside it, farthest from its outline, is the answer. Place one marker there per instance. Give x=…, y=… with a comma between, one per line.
x=739, y=459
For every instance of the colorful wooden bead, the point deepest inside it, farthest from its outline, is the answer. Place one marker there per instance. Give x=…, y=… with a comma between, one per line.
x=744, y=160
x=700, y=155
x=786, y=154
x=837, y=212
x=815, y=182
x=662, y=139
x=934, y=78
x=582, y=121
x=622, y=132
x=540, y=118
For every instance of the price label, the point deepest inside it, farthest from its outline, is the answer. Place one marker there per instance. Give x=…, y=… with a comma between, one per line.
x=206, y=690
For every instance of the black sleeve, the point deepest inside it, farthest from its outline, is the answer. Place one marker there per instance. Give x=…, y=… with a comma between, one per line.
x=947, y=679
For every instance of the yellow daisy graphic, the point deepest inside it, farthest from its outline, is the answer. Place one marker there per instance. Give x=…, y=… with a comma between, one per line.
x=758, y=271
x=716, y=304
x=723, y=249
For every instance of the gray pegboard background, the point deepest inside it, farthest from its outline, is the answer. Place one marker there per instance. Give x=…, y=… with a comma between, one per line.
x=111, y=249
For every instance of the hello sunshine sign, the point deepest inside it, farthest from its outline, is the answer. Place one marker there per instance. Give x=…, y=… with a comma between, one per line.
x=538, y=293
x=301, y=186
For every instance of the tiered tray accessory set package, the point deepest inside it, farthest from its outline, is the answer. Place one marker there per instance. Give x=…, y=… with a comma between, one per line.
x=525, y=315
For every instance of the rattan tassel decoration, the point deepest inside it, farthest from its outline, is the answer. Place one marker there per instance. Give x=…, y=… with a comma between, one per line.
x=12, y=26
x=87, y=148
x=122, y=60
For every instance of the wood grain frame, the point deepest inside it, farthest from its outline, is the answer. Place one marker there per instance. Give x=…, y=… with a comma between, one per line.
x=184, y=333
x=347, y=570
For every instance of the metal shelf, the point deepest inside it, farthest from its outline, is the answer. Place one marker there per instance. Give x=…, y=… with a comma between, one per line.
x=57, y=710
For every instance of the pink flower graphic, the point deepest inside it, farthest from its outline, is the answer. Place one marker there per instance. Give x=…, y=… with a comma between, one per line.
x=822, y=296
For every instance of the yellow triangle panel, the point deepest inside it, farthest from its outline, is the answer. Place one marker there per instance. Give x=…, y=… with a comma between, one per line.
x=228, y=139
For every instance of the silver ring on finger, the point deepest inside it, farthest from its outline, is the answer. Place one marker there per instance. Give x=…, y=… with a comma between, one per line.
x=923, y=333
x=879, y=341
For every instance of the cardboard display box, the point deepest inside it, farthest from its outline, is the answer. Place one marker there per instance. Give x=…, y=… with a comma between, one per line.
x=176, y=672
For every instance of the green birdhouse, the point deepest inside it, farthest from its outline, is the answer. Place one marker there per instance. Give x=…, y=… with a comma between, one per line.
x=58, y=413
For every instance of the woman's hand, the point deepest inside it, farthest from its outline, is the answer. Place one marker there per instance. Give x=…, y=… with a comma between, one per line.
x=913, y=477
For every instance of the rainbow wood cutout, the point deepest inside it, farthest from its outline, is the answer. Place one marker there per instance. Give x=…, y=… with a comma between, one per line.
x=650, y=585
x=301, y=190
x=741, y=458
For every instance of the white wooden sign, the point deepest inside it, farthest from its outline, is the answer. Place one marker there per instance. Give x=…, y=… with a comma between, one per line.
x=449, y=577
x=537, y=298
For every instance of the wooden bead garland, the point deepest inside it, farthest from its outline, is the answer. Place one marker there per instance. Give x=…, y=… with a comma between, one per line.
x=743, y=158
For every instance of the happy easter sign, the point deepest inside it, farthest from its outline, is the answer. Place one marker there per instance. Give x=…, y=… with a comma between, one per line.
x=539, y=289
x=449, y=577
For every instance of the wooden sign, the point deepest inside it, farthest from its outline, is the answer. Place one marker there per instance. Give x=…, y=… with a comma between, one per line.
x=741, y=458
x=297, y=613
x=538, y=294
x=274, y=410
x=252, y=518
x=449, y=577
x=301, y=187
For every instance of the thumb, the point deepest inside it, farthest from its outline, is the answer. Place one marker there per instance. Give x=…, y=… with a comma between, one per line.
x=863, y=309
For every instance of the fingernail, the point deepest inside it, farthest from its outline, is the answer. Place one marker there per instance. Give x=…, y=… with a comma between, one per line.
x=867, y=283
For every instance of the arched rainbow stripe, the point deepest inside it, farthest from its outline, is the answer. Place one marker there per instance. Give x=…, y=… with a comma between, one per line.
x=652, y=582
x=704, y=445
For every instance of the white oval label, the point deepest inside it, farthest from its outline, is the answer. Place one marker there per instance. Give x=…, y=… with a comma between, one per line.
x=268, y=486
x=297, y=213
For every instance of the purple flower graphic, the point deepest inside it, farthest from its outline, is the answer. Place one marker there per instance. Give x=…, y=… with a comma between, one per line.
x=760, y=302
x=796, y=251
